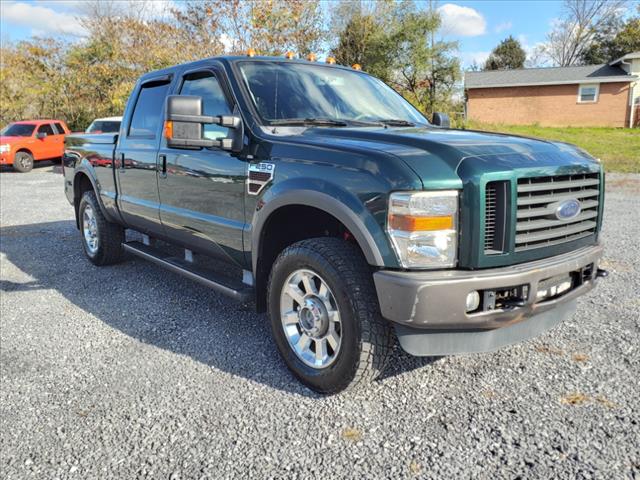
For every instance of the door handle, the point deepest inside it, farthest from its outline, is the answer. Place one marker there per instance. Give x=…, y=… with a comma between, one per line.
x=163, y=160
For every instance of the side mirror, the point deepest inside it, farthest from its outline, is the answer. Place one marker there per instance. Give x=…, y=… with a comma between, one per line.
x=183, y=127
x=41, y=135
x=441, y=120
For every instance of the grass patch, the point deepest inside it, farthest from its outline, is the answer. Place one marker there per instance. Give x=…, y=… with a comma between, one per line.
x=618, y=148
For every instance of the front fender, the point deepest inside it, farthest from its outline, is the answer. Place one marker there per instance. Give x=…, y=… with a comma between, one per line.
x=334, y=200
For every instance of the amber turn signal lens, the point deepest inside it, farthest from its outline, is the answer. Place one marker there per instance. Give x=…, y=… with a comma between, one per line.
x=410, y=223
x=168, y=129
x=356, y=66
x=251, y=52
x=331, y=60
x=311, y=57
x=289, y=55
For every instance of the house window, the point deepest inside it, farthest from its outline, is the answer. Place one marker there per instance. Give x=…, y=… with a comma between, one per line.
x=588, y=93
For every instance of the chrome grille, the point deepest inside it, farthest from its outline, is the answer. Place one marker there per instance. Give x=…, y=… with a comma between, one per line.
x=539, y=197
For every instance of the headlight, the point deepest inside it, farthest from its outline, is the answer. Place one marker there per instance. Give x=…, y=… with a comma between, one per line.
x=423, y=227
x=5, y=148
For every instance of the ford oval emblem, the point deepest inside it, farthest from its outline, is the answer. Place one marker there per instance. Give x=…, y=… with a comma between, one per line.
x=568, y=209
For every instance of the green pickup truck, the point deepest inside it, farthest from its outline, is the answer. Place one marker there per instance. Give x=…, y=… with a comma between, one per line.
x=319, y=194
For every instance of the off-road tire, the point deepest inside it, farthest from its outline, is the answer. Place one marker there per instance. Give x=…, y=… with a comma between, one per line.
x=23, y=162
x=366, y=336
x=110, y=235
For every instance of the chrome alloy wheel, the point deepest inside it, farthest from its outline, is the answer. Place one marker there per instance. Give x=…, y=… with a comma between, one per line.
x=24, y=161
x=310, y=318
x=90, y=229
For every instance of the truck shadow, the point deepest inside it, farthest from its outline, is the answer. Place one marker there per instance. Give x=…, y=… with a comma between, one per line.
x=38, y=165
x=155, y=306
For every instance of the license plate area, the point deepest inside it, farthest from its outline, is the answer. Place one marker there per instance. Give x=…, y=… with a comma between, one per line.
x=559, y=285
x=554, y=287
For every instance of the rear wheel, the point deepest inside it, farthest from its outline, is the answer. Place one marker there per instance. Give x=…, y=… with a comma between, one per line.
x=101, y=239
x=23, y=162
x=325, y=316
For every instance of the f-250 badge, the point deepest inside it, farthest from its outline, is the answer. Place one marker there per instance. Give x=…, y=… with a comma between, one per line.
x=260, y=174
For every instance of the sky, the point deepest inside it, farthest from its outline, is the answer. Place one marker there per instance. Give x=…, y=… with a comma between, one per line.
x=478, y=25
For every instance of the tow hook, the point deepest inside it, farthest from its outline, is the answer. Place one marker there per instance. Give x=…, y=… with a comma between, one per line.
x=602, y=273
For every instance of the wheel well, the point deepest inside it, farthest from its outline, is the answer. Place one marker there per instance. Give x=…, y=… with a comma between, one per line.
x=26, y=150
x=81, y=184
x=286, y=226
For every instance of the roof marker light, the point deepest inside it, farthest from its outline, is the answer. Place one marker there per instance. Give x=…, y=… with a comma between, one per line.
x=331, y=60
x=289, y=55
x=312, y=57
x=251, y=52
x=356, y=66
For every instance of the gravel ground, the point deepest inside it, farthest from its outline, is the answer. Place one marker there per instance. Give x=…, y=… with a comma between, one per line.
x=131, y=371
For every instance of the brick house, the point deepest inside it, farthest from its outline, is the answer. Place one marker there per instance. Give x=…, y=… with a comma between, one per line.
x=593, y=95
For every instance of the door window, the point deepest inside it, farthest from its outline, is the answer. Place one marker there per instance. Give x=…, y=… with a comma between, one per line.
x=214, y=102
x=59, y=128
x=46, y=128
x=148, y=110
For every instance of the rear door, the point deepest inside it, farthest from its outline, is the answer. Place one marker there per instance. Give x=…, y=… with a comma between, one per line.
x=45, y=147
x=202, y=190
x=136, y=154
x=58, y=140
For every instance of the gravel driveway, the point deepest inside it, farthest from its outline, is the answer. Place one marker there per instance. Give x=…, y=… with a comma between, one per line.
x=131, y=371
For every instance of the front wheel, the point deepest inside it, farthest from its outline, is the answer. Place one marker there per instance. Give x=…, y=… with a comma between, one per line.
x=325, y=317
x=23, y=162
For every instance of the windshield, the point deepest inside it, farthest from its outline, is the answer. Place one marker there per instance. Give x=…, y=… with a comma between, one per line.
x=18, y=130
x=292, y=91
x=104, y=126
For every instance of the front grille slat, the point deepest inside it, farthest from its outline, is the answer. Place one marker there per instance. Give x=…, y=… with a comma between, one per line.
x=538, y=224
x=536, y=187
x=541, y=212
x=537, y=200
x=555, y=232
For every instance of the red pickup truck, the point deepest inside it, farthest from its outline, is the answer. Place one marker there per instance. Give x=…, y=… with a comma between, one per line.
x=23, y=142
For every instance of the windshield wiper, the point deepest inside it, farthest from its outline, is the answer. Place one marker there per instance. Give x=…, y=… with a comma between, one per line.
x=326, y=122
x=396, y=122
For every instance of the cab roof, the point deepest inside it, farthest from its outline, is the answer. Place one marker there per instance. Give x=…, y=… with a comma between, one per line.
x=35, y=122
x=230, y=59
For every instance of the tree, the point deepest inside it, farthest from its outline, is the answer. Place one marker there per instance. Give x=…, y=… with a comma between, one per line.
x=508, y=54
x=269, y=27
x=397, y=42
x=573, y=34
x=615, y=40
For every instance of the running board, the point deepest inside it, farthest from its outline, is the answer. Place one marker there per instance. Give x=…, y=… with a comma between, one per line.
x=206, y=277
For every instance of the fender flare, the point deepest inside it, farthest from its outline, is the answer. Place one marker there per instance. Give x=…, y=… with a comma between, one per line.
x=88, y=172
x=359, y=222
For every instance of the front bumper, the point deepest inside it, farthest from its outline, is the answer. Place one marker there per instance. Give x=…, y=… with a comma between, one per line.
x=6, y=158
x=428, y=308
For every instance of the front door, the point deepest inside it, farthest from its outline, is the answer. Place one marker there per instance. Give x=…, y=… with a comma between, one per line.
x=202, y=191
x=135, y=158
x=44, y=147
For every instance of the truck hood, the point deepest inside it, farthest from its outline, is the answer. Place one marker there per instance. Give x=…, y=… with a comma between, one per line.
x=446, y=158
x=8, y=139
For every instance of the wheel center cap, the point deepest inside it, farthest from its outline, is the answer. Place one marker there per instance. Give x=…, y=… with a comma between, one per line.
x=313, y=317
